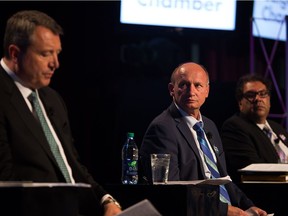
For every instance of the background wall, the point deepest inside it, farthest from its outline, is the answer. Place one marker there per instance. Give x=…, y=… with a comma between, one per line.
x=114, y=77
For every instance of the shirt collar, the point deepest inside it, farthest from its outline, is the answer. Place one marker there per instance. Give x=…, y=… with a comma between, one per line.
x=266, y=124
x=24, y=90
x=190, y=120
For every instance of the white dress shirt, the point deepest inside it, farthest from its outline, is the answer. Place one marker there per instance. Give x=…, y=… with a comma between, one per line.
x=25, y=93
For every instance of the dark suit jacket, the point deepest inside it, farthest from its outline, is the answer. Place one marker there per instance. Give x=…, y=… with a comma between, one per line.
x=169, y=133
x=24, y=151
x=245, y=143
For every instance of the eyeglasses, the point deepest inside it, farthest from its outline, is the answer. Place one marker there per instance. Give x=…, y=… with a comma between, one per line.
x=251, y=95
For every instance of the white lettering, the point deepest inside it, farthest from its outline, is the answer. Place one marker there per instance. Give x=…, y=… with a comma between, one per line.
x=205, y=5
x=269, y=14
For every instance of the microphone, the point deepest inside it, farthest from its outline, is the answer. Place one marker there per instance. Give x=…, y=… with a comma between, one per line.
x=209, y=135
x=50, y=111
x=277, y=140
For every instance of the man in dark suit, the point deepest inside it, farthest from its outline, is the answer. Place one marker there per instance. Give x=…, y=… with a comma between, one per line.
x=243, y=138
x=172, y=132
x=31, y=47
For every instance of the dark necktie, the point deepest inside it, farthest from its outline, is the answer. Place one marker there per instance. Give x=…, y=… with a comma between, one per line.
x=224, y=196
x=49, y=136
x=280, y=152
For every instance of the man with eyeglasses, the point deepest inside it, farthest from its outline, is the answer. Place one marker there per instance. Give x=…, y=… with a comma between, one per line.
x=248, y=136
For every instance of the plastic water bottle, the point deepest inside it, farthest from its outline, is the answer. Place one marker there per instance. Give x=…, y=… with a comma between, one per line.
x=130, y=160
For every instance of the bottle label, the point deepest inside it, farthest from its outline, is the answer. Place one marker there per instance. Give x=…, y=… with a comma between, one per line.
x=132, y=167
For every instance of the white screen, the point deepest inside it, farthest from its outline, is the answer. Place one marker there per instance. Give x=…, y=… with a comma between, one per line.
x=204, y=14
x=269, y=19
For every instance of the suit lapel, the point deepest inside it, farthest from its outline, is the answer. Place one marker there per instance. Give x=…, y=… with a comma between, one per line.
x=215, y=145
x=185, y=131
x=31, y=123
x=26, y=117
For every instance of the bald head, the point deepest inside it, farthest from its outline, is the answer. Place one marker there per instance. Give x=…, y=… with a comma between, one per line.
x=189, y=87
x=188, y=66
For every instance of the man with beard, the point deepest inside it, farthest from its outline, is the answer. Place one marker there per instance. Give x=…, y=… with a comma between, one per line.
x=248, y=136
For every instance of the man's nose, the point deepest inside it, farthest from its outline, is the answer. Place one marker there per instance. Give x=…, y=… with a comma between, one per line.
x=54, y=64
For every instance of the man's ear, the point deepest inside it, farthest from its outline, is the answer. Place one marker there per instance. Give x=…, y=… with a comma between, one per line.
x=171, y=89
x=240, y=105
x=208, y=90
x=14, y=53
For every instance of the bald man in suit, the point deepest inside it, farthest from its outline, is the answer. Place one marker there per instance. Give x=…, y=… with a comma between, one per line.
x=173, y=132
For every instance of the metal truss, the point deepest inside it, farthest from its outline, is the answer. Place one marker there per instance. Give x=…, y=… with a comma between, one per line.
x=269, y=70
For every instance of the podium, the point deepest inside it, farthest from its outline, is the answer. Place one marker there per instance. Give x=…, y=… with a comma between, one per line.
x=267, y=185
x=171, y=200
x=45, y=199
x=269, y=196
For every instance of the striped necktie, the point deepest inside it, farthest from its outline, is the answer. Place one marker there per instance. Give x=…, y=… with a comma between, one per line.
x=211, y=163
x=33, y=98
x=280, y=152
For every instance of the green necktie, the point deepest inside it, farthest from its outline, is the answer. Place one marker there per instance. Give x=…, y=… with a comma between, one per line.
x=49, y=136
